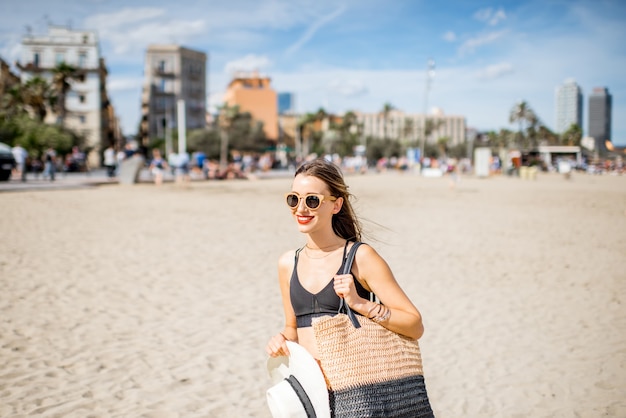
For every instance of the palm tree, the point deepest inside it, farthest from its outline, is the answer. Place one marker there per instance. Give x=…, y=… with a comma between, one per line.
x=12, y=102
x=522, y=114
x=387, y=108
x=407, y=129
x=37, y=94
x=572, y=136
x=227, y=117
x=348, y=133
x=306, y=127
x=62, y=74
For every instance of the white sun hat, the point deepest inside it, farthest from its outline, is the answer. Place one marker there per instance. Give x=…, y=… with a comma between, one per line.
x=299, y=388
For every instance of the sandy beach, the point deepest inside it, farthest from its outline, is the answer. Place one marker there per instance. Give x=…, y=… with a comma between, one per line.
x=138, y=301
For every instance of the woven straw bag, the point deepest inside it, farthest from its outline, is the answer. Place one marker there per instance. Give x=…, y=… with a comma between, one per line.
x=371, y=371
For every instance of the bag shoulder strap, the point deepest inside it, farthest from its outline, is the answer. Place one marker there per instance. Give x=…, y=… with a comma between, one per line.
x=347, y=267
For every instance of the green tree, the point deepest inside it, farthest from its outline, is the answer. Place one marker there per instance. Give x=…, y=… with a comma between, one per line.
x=349, y=133
x=36, y=137
x=442, y=143
x=63, y=73
x=386, y=110
x=572, y=136
x=38, y=96
x=546, y=135
x=205, y=140
x=523, y=115
x=12, y=103
x=407, y=130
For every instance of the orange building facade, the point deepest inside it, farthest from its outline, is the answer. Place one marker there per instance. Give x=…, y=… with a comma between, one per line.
x=254, y=94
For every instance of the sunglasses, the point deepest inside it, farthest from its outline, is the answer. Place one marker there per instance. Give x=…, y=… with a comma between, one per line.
x=311, y=200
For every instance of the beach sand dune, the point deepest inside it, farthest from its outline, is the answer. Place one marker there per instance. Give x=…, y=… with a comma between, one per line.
x=138, y=301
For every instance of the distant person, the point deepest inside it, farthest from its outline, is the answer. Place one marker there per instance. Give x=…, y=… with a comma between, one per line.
x=20, y=155
x=50, y=158
x=181, y=171
x=129, y=151
x=109, y=161
x=158, y=165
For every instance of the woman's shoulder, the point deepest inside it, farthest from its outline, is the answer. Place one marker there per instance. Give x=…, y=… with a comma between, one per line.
x=366, y=252
x=287, y=258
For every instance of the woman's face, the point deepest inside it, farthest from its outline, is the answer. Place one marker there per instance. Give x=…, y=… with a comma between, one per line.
x=312, y=220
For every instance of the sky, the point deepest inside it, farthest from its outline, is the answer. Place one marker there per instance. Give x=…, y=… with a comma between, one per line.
x=357, y=55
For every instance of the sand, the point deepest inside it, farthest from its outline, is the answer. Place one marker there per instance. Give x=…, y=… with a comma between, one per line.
x=138, y=301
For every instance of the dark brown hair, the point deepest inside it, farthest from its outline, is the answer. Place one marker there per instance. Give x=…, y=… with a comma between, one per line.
x=345, y=223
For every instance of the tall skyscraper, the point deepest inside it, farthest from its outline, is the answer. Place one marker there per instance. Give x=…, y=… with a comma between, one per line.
x=285, y=103
x=569, y=106
x=600, y=104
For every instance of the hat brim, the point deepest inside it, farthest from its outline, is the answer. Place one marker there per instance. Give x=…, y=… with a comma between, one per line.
x=305, y=369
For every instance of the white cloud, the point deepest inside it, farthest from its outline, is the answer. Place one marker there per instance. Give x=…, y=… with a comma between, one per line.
x=490, y=16
x=494, y=71
x=130, y=30
x=449, y=36
x=250, y=62
x=314, y=28
x=471, y=44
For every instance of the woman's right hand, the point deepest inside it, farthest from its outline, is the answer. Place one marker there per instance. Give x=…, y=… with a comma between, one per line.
x=277, y=346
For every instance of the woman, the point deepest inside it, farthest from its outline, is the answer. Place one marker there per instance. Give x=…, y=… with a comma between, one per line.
x=309, y=281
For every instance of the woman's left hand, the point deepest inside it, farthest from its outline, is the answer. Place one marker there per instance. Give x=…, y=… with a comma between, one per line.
x=344, y=287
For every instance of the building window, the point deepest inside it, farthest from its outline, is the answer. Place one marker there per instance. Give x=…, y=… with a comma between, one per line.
x=82, y=59
x=164, y=86
x=59, y=57
x=82, y=119
x=36, y=59
x=81, y=98
x=85, y=39
x=161, y=66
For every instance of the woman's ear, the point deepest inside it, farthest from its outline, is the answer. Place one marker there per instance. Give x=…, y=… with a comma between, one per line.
x=337, y=205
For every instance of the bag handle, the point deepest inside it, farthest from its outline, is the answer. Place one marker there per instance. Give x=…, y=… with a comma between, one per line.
x=347, y=267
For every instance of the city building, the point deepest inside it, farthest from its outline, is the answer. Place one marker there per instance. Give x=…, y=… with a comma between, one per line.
x=286, y=103
x=88, y=111
x=600, y=106
x=253, y=94
x=172, y=73
x=569, y=106
x=409, y=128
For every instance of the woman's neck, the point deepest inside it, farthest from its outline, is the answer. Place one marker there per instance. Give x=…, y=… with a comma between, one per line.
x=325, y=243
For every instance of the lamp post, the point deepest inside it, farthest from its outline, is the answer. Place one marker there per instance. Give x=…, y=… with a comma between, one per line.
x=430, y=74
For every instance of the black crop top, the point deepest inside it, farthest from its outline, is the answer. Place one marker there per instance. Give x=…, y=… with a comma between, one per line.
x=307, y=305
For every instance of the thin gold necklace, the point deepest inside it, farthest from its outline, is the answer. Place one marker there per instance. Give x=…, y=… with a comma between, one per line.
x=307, y=248
x=321, y=248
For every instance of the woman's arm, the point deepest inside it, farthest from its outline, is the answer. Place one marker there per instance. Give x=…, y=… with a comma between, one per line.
x=277, y=345
x=374, y=272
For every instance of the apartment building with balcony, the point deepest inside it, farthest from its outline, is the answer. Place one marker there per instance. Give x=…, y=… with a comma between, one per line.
x=172, y=73
x=253, y=94
x=88, y=109
x=409, y=128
